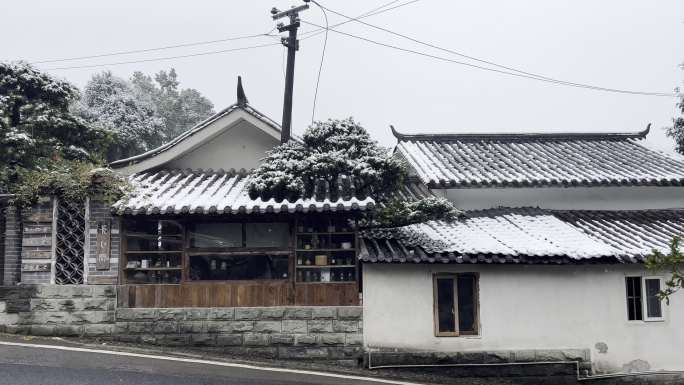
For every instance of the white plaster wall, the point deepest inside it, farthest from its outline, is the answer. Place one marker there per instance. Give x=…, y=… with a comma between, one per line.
x=525, y=307
x=241, y=146
x=569, y=198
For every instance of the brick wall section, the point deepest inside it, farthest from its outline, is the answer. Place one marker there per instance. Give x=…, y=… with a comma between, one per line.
x=37, y=241
x=49, y=310
x=325, y=333
x=100, y=212
x=12, y=260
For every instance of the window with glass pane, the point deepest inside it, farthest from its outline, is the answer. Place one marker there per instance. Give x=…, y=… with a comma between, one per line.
x=446, y=317
x=634, y=306
x=153, y=251
x=238, y=267
x=455, y=305
x=206, y=235
x=654, y=308
x=466, y=304
x=267, y=234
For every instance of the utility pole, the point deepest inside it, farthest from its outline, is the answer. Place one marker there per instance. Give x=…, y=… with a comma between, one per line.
x=292, y=45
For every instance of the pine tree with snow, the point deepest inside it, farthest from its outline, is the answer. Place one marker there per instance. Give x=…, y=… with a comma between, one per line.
x=336, y=149
x=37, y=127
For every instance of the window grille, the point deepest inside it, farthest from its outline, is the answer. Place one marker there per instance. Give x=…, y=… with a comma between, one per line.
x=70, y=236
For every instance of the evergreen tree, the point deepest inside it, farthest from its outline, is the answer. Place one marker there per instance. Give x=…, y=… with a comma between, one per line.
x=179, y=108
x=37, y=126
x=112, y=104
x=335, y=149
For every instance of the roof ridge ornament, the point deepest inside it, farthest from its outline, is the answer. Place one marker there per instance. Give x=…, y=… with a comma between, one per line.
x=241, y=97
x=521, y=136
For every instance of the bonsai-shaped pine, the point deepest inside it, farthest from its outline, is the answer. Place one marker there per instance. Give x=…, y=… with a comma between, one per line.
x=335, y=149
x=671, y=262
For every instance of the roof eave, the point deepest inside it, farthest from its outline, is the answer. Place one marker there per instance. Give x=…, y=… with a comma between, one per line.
x=487, y=136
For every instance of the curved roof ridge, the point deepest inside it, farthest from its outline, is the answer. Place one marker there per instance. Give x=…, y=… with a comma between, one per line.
x=520, y=136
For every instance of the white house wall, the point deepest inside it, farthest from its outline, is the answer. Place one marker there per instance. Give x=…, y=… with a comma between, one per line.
x=568, y=198
x=242, y=146
x=525, y=307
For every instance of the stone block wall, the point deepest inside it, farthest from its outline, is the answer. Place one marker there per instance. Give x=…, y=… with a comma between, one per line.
x=99, y=214
x=325, y=333
x=311, y=332
x=49, y=310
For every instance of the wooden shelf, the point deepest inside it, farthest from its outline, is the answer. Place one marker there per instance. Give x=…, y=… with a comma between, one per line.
x=314, y=250
x=156, y=237
x=154, y=268
x=328, y=233
x=155, y=252
x=324, y=266
x=324, y=282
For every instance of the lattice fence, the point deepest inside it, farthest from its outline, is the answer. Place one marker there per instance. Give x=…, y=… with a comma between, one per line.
x=70, y=243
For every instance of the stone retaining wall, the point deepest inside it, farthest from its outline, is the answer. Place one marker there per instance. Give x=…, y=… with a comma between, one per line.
x=315, y=332
x=327, y=333
x=48, y=310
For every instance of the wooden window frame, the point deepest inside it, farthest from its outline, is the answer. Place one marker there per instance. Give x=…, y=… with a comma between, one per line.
x=435, y=305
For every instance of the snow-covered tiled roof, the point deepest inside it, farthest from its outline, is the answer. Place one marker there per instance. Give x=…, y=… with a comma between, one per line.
x=221, y=192
x=527, y=235
x=519, y=160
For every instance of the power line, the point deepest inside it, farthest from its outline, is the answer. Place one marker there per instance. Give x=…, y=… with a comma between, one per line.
x=437, y=47
x=197, y=43
x=372, y=12
x=165, y=58
x=205, y=42
x=319, y=30
x=320, y=67
x=517, y=74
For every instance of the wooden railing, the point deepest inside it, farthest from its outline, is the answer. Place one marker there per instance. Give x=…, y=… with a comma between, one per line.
x=238, y=294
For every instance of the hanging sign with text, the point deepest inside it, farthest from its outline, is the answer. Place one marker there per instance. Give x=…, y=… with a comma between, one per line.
x=103, y=245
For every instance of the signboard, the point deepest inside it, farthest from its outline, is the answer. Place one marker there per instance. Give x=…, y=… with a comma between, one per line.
x=103, y=245
x=34, y=267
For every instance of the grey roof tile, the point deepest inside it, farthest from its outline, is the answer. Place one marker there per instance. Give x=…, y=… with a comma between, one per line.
x=527, y=235
x=224, y=192
x=519, y=160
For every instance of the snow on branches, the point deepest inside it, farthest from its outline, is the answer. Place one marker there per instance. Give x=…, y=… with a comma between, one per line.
x=335, y=149
x=329, y=150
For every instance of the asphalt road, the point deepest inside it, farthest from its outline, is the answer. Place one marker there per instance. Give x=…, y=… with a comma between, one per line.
x=35, y=365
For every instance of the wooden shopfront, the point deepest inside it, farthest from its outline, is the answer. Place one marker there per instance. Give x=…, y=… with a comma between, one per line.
x=239, y=260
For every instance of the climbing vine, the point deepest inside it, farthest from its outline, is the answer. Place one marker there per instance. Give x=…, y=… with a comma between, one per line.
x=70, y=180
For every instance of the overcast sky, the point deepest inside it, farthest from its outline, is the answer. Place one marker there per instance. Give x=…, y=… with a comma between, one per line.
x=634, y=45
